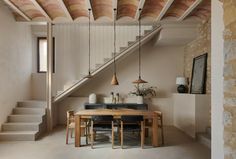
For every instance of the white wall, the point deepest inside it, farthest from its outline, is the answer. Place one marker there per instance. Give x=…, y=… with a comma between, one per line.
x=160, y=67
x=72, y=50
x=15, y=62
x=217, y=80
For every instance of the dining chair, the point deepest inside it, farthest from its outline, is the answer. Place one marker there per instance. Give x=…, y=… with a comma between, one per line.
x=148, y=125
x=101, y=123
x=132, y=124
x=70, y=125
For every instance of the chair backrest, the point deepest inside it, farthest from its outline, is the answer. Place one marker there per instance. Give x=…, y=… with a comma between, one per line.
x=131, y=118
x=94, y=106
x=102, y=118
x=70, y=116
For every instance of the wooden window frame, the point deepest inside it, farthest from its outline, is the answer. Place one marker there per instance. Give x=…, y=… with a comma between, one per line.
x=38, y=59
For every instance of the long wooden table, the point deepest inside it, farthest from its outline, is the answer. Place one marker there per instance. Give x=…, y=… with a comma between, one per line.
x=86, y=114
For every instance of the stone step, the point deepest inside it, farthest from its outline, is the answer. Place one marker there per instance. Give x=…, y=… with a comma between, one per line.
x=106, y=60
x=29, y=111
x=32, y=104
x=20, y=126
x=18, y=135
x=122, y=48
x=204, y=139
x=131, y=43
x=147, y=31
x=98, y=65
x=137, y=37
x=25, y=118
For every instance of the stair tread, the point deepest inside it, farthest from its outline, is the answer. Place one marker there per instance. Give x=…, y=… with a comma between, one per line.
x=28, y=108
x=22, y=123
x=33, y=101
x=18, y=132
x=28, y=115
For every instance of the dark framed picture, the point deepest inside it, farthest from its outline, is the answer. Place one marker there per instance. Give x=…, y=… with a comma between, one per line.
x=199, y=70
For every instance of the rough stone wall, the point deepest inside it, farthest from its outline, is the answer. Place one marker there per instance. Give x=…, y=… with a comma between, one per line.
x=230, y=78
x=201, y=45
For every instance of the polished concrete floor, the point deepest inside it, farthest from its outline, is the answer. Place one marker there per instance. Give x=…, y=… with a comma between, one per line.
x=177, y=146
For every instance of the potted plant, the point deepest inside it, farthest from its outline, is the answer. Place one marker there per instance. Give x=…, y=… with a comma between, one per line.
x=142, y=92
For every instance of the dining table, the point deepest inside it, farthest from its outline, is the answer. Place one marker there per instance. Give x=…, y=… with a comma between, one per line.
x=116, y=113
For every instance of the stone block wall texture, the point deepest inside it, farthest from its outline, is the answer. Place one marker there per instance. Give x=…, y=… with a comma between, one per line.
x=201, y=45
x=229, y=7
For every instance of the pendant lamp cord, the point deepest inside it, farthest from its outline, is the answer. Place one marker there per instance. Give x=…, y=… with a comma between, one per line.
x=89, y=39
x=139, y=44
x=114, y=56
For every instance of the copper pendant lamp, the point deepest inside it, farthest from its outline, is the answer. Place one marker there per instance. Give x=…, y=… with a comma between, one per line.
x=139, y=80
x=114, y=80
x=89, y=71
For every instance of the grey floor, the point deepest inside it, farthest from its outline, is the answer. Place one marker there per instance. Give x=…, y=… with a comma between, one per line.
x=177, y=146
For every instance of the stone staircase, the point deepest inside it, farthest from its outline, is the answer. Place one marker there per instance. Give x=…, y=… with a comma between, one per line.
x=205, y=137
x=26, y=122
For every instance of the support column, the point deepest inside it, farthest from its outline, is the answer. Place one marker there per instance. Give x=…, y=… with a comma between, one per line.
x=49, y=76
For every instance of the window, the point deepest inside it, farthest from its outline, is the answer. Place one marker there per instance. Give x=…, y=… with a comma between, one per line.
x=42, y=54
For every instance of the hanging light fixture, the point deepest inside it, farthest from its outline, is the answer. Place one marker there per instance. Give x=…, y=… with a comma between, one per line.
x=89, y=71
x=139, y=80
x=114, y=80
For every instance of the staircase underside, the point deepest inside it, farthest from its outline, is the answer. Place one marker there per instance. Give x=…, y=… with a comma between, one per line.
x=149, y=34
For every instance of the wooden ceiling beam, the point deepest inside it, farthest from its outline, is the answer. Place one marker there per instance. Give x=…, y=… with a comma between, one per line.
x=141, y=4
x=63, y=6
x=164, y=10
x=41, y=10
x=190, y=9
x=15, y=8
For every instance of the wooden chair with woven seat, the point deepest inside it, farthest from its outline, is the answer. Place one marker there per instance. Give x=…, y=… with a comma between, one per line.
x=148, y=125
x=70, y=125
x=132, y=124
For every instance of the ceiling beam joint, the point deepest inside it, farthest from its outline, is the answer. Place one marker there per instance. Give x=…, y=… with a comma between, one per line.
x=189, y=10
x=164, y=10
x=17, y=10
x=49, y=19
x=63, y=6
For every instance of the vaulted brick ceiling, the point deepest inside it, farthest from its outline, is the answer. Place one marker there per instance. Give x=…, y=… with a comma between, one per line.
x=156, y=10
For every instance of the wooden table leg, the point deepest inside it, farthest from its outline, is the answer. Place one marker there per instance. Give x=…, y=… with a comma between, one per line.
x=77, y=131
x=155, y=131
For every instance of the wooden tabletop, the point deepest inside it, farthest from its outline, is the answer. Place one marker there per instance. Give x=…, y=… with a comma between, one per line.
x=115, y=112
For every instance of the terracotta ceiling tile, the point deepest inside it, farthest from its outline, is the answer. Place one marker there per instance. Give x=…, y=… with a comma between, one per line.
x=152, y=8
x=203, y=11
x=102, y=8
x=77, y=8
x=52, y=8
x=179, y=7
x=28, y=8
x=127, y=8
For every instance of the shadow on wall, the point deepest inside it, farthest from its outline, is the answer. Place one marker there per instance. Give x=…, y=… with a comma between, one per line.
x=160, y=66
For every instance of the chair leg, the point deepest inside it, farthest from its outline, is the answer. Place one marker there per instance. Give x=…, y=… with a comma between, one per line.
x=92, y=135
x=121, y=135
x=146, y=132
x=67, y=134
x=142, y=134
x=112, y=134
x=162, y=132
x=71, y=133
x=86, y=133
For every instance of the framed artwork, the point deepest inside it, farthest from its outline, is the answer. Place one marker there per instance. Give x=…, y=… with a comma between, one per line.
x=199, y=70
